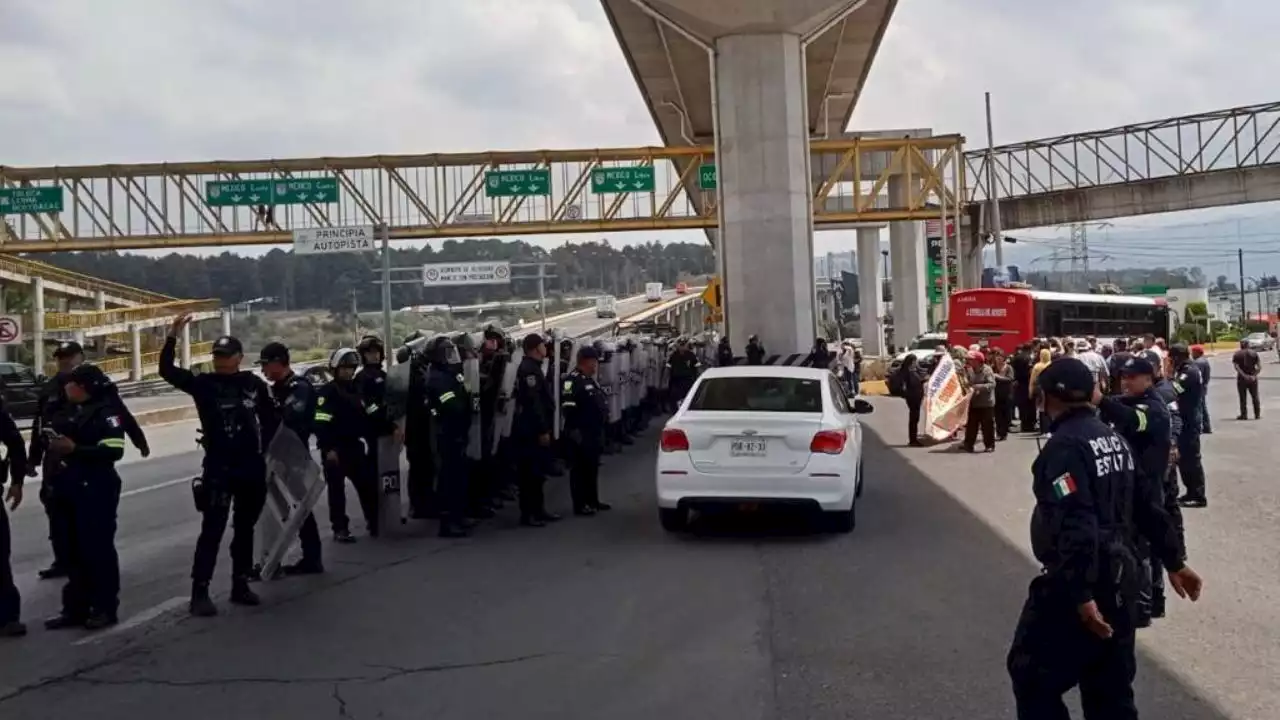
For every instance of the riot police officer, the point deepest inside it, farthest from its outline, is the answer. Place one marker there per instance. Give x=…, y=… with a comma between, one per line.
x=15, y=465
x=1077, y=625
x=294, y=398
x=493, y=367
x=450, y=406
x=86, y=443
x=755, y=351
x=339, y=423
x=820, y=356
x=724, y=352
x=1143, y=418
x=236, y=412
x=585, y=414
x=50, y=403
x=682, y=368
x=417, y=431
x=1189, y=386
x=531, y=432
x=371, y=381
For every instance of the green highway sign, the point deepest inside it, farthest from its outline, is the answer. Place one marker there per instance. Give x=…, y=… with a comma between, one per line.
x=20, y=200
x=707, y=177
x=237, y=193
x=636, y=178
x=517, y=183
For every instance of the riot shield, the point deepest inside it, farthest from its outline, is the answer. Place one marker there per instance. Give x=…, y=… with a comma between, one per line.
x=393, y=492
x=506, y=413
x=294, y=486
x=471, y=378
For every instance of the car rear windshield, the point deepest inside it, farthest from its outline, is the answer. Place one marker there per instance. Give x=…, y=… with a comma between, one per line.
x=760, y=394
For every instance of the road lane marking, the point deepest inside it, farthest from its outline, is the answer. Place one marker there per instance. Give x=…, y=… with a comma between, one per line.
x=141, y=618
x=149, y=488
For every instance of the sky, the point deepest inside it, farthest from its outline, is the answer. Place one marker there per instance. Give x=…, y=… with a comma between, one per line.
x=89, y=82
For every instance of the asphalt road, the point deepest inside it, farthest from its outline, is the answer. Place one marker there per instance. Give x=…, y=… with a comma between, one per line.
x=908, y=617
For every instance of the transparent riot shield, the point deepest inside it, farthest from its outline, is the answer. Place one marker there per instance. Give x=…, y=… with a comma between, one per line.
x=469, y=348
x=294, y=486
x=506, y=412
x=393, y=491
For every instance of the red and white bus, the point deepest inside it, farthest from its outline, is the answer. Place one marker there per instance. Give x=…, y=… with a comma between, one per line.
x=1006, y=318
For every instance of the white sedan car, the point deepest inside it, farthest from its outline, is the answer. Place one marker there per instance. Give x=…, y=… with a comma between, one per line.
x=754, y=435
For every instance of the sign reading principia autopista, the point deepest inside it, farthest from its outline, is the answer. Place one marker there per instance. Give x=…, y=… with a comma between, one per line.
x=326, y=241
x=466, y=273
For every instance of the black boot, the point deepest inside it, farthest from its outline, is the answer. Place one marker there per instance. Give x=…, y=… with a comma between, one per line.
x=305, y=566
x=100, y=621
x=242, y=595
x=201, y=604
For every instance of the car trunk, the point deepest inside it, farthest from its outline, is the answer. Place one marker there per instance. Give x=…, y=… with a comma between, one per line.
x=750, y=443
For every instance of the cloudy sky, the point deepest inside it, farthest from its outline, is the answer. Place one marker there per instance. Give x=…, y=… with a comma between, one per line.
x=90, y=81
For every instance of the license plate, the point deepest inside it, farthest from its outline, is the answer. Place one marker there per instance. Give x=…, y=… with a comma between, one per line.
x=747, y=447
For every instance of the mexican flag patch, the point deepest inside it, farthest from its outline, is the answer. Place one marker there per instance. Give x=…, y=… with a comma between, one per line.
x=1064, y=485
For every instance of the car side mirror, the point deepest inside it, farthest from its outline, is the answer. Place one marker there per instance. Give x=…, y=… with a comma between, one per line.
x=862, y=407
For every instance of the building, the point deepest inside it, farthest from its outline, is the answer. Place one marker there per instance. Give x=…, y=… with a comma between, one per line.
x=832, y=265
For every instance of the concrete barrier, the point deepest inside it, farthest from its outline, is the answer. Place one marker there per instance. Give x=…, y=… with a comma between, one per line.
x=873, y=387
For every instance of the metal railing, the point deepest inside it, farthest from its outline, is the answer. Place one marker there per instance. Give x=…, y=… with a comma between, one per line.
x=84, y=320
x=53, y=273
x=124, y=363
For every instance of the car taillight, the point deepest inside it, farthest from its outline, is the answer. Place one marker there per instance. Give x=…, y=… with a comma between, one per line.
x=674, y=440
x=828, y=442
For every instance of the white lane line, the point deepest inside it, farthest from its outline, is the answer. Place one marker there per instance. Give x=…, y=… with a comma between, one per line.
x=141, y=618
x=149, y=488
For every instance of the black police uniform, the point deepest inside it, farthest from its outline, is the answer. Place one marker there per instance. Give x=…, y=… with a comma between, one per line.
x=294, y=399
x=418, y=450
x=682, y=369
x=493, y=368
x=87, y=483
x=1089, y=510
x=15, y=465
x=533, y=419
x=371, y=381
x=1189, y=386
x=51, y=402
x=339, y=423
x=1146, y=424
x=755, y=351
x=819, y=356
x=450, y=405
x=724, y=353
x=236, y=412
x=582, y=403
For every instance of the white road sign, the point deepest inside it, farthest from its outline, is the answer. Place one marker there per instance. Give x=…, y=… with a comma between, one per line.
x=11, y=330
x=467, y=273
x=325, y=241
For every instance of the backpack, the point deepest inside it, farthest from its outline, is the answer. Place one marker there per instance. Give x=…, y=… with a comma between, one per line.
x=896, y=383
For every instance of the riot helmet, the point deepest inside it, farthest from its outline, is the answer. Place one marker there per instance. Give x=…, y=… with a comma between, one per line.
x=344, y=357
x=443, y=352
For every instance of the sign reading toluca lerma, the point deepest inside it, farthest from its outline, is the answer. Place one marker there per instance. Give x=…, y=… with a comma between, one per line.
x=322, y=241
x=466, y=273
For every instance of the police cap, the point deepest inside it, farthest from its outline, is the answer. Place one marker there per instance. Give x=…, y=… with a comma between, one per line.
x=274, y=352
x=1137, y=365
x=70, y=348
x=1067, y=379
x=226, y=346
x=587, y=352
x=89, y=377
x=1179, y=350
x=531, y=341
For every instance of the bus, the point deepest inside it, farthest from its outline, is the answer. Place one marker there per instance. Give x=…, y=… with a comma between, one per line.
x=1006, y=318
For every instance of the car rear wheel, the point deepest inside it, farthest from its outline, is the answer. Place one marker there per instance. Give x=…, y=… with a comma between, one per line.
x=673, y=519
x=842, y=521
x=857, y=493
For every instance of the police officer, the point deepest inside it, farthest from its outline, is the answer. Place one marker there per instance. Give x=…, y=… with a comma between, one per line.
x=724, y=353
x=371, y=381
x=682, y=368
x=450, y=406
x=417, y=430
x=819, y=356
x=294, y=398
x=86, y=443
x=531, y=432
x=585, y=414
x=50, y=403
x=236, y=412
x=339, y=423
x=755, y=351
x=493, y=367
x=1189, y=386
x=1077, y=625
x=1141, y=415
x=15, y=465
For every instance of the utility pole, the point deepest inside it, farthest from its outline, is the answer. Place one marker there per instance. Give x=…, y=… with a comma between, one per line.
x=385, y=230
x=991, y=191
x=355, y=318
x=1244, y=313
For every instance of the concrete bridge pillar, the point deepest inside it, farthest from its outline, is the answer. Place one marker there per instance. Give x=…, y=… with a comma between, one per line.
x=4, y=349
x=135, y=345
x=38, y=355
x=99, y=300
x=907, y=270
x=870, y=302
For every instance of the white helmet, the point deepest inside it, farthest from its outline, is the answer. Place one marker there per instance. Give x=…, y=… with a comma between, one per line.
x=344, y=357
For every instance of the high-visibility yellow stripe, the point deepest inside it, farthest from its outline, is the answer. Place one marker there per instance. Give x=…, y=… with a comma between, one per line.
x=446, y=397
x=323, y=417
x=112, y=443
x=569, y=403
x=568, y=385
x=372, y=408
x=1177, y=386
x=1142, y=421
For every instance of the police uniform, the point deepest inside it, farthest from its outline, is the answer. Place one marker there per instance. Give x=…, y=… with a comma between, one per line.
x=1146, y=424
x=724, y=353
x=533, y=421
x=755, y=351
x=682, y=368
x=1089, y=510
x=1189, y=387
x=50, y=403
x=87, y=481
x=14, y=465
x=294, y=399
x=236, y=412
x=493, y=367
x=417, y=433
x=371, y=381
x=582, y=403
x=450, y=405
x=339, y=423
